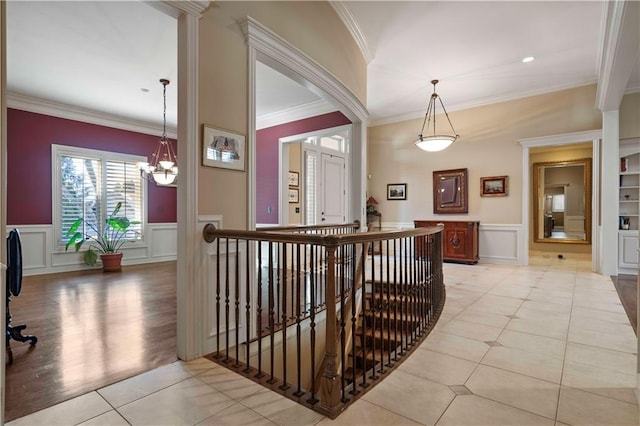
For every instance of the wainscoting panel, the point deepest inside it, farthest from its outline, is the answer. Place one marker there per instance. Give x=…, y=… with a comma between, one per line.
x=230, y=259
x=41, y=256
x=34, y=240
x=499, y=243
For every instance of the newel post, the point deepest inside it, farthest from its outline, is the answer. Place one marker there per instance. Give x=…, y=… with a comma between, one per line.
x=330, y=381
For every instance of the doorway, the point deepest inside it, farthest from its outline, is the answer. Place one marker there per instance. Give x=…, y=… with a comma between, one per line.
x=320, y=196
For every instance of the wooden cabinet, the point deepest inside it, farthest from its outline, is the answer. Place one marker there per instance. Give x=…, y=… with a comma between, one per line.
x=459, y=240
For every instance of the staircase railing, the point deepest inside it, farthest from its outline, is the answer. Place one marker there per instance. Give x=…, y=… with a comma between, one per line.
x=321, y=313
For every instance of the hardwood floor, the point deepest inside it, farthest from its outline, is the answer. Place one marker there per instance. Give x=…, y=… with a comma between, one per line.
x=627, y=287
x=93, y=329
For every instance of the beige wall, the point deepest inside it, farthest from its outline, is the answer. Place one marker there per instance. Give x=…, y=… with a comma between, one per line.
x=630, y=116
x=295, y=166
x=313, y=27
x=488, y=147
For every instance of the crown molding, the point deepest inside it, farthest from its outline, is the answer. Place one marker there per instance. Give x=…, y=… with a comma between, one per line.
x=69, y=112
x=299, y=112
x=352, y=25
x=632, y=89
x=282, y=56
x=619, y=52
x=175, y=8
x=483, y=102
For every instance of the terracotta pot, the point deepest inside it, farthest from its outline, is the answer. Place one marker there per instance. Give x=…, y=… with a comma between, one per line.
x=111, y=262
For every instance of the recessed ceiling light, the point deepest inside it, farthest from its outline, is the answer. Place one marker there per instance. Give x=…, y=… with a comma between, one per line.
x=144, y=90
x=528, y=59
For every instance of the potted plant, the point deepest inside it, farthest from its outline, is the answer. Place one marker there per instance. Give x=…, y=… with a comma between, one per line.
x=107, y=242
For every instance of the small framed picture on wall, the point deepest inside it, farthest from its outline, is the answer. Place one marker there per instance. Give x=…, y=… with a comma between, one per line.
x=396, y=191
x=494, y=186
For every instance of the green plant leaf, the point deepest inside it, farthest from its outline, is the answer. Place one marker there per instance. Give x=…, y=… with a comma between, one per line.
x=74, y=227
x=90, y=257
x=116, y=209
x=119, y=223
x=76, y=239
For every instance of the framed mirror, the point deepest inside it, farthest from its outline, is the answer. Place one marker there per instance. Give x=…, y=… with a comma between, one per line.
x=562, y=201
x=450, y=191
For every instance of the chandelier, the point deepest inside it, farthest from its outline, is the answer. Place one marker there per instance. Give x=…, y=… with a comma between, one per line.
x=163, y=168
x=435, y=142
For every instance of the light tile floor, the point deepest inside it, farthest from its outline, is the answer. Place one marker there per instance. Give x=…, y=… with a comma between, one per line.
x=546, y=344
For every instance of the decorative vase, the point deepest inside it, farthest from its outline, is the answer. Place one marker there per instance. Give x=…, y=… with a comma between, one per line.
x=111, y=262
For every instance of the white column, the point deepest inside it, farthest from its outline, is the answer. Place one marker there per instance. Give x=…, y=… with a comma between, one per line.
x=189, y=236
x=610, y=162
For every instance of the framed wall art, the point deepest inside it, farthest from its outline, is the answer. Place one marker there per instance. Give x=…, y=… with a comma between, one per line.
x=396, y=191
x=494, y=186
x=294, y=179
x=294, y=195
x=221, y=148
x=450, y=194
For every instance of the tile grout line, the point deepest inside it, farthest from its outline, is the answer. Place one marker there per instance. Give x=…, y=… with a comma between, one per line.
x=566, y=346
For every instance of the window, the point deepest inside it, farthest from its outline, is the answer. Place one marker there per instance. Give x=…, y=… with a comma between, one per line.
x=557, y=203
x=89, y=183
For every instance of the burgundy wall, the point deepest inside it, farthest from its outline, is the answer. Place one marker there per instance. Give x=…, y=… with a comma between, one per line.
x=267, y=158
x=29, y=139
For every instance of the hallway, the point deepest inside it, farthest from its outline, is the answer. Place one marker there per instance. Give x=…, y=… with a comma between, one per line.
x=545, y=344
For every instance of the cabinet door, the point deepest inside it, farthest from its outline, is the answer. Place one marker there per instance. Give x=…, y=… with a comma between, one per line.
x=457, y=242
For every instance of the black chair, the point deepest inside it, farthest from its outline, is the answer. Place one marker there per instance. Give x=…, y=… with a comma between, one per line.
x=14, y=285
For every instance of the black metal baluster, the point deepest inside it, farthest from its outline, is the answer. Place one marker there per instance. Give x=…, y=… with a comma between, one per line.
x=285, y=274
x=343, y=336
x=259, y=311
x=312, y=326
x=227, y=295
x=272, y=323
x=248, y=308
x=237, y=304
x=299, y=391
x=354, y=317
x=218, y=298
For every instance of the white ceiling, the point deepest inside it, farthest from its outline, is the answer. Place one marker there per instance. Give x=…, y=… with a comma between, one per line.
x=99, y=55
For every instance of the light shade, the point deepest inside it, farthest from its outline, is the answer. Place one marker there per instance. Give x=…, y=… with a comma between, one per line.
x=371, y=201
x=163, y=169
x=433, y=141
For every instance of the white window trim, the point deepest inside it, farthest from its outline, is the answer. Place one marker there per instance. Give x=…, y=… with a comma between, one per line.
x=64, y=150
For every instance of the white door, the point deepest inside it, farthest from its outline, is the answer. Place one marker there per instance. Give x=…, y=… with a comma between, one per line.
x=332, y=190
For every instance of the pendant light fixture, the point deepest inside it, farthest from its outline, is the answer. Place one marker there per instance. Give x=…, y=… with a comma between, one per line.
x=434, y=141
x=164, y=162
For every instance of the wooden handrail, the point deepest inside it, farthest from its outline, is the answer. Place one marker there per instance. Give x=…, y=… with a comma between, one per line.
x=210, y=233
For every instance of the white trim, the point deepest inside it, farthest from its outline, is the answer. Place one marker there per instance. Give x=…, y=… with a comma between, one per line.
x=188, y=289
x=58, y=151
x=352, y=25
x=475, y=103
x=271, y=49
x=69, y=112
x=619, y=52
x=299, y=112
x=40, y=255
x=500, y=243
x=284, y=57
x=594, y=136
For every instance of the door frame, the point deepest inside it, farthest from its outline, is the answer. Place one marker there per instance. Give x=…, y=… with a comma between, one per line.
x=595, y=137
x=283, y=158
x=269, y=48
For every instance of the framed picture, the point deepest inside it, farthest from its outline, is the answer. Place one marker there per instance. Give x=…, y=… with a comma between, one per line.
x=494, y=186
x=221, y=148
x=294, y=179
x=450, y=191
x=294, y=195
x=396, y=191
